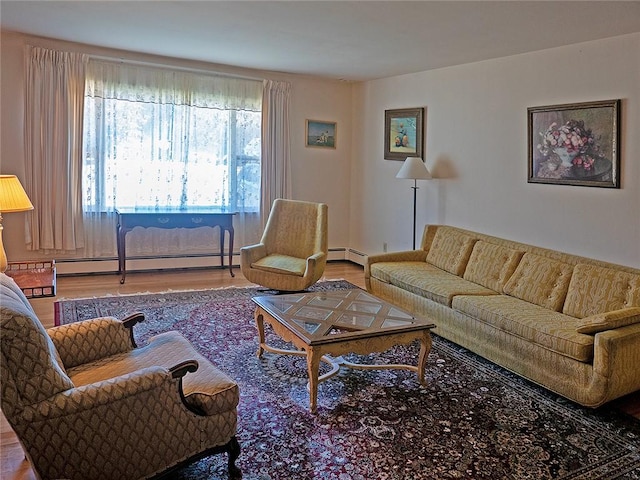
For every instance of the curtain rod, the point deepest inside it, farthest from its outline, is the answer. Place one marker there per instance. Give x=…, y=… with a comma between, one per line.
x=163, y=65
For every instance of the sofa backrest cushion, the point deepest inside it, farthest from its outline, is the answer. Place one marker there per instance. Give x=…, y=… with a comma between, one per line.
x=450, y=250
x=595, y=290
x=540, y=280
x=491, y=265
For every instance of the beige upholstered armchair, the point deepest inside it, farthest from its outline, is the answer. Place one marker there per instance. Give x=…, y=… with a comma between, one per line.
x=292, y=253
x=86, y=403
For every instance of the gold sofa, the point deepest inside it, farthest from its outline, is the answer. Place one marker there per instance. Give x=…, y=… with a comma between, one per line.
x=568, y=323
x=85, y=403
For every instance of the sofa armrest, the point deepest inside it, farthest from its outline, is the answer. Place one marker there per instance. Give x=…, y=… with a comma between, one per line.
x=83, y=342
x=616, y=360
x=111, y=393
x=126, y=416
x=404, y=256
x=313, y=261
x=609, y=320
x=252, y=253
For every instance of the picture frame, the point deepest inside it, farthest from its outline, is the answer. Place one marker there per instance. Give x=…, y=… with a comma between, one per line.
x=575, y=144
x=321, y=134
x=403, y=133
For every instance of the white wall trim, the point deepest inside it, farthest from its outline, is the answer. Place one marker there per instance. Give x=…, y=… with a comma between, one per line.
x=85, y=266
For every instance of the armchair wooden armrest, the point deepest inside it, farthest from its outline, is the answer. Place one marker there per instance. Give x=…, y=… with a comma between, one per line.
x=179, y=371
x=130, y=321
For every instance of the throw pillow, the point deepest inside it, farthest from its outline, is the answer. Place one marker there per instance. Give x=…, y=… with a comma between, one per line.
x=609, y=320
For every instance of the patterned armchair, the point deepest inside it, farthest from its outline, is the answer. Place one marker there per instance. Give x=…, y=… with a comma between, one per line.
x=86, y=403
x=292, y=253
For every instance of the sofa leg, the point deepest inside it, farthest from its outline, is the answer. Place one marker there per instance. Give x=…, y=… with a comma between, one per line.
x=234, y=453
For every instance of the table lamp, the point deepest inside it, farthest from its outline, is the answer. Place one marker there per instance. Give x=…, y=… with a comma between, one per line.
x=13, y=198
x=414, y=169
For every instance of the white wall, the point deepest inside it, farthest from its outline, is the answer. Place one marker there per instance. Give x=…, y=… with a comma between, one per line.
x=321, y=174
x=476, y=142
x=317, y=174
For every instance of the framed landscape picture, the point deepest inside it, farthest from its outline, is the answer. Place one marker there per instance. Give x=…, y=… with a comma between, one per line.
x=575, y=144
x=403, y=133
x=321, y=134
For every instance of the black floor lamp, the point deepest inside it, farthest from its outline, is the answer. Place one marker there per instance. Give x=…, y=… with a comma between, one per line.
x=414, y=169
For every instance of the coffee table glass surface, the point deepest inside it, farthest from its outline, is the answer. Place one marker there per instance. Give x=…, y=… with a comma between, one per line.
x=325, y=324
x=326, y=317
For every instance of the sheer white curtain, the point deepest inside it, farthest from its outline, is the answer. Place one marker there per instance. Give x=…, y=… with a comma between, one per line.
x=157, y=137
x=276, y=162
x=54, y=100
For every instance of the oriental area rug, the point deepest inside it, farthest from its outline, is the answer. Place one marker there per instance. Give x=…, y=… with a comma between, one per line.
x=473, y=419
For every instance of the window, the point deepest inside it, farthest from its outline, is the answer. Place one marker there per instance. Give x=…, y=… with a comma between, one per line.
x=161, y=138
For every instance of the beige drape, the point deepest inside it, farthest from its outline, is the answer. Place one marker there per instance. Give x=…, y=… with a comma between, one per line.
x=54, y=103
x=276, y=169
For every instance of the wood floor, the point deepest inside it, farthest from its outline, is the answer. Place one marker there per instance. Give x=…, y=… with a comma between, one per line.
x=13, y=465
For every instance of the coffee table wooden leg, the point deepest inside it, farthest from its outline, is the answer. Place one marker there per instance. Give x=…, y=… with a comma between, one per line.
x=425, y=348
x=260, y=325
x=313, y=368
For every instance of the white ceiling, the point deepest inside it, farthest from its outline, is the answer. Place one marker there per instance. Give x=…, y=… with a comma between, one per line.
x=350, y=40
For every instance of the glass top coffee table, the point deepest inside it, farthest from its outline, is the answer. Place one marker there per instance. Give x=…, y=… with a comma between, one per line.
x=325, y=325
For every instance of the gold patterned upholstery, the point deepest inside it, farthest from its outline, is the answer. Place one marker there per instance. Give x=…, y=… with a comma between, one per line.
x=450, y=250
x=551, y=330
x=87, y=404
x=491, y=265
x=594, y=289
x=427, y=281
x=292, y=252
x=569, y=323
x=540, y=281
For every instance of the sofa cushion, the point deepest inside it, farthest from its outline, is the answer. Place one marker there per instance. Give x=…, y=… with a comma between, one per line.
x=426, y=280
x=207, y=388
x=541, y=281
x=450, y=250
x=491, y=265
x=594, y=290
x=609, y=320
x=281, y=264
x=552, y=330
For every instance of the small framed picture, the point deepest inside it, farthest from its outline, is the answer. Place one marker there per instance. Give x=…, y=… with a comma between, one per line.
x=575, y=144
x=403, y=133
x=321, y=134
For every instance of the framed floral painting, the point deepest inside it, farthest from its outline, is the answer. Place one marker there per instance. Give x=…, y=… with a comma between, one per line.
x=575, y=144
x=403, y=133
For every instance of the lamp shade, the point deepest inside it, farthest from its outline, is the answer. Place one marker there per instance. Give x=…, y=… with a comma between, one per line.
x=415, y=169
x=13, y=198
